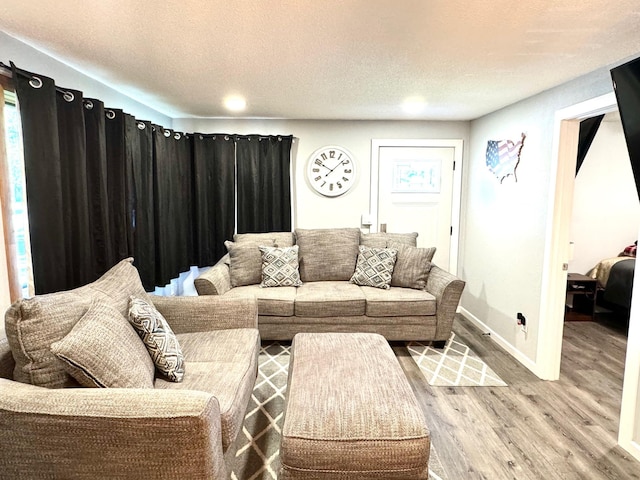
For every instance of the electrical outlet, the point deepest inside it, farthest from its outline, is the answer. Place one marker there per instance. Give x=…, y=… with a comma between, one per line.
x=522, y=321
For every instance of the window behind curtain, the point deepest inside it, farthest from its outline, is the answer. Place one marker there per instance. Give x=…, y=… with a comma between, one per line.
x=17, y=194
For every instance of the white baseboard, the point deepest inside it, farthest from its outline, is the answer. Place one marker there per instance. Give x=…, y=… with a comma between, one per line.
x=511, y=350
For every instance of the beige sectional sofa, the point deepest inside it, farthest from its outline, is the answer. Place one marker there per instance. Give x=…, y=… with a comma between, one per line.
x=158, y=429
x=419, y=305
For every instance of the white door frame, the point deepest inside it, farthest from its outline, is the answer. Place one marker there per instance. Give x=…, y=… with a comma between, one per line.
x=549, y=351
x=376, y=144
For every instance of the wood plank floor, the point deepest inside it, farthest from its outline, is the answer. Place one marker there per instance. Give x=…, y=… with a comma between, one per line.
x=532, y=429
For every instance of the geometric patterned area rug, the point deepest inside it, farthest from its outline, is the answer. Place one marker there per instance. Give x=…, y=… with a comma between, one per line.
x=456, y=365
x=257, y=455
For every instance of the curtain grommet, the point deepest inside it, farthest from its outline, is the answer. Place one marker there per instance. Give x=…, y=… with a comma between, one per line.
x=141, y=126
x=88, y=104
x=110, y=114
x=35, y=82
x=167, y=133
x=69, y=96
x=177, y=135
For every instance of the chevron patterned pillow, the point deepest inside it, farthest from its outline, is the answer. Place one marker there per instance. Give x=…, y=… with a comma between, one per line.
x=374, y=267
x=280, y=267
x=158, y=337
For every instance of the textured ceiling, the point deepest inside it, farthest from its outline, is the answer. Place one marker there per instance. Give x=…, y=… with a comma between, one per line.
x=329, y=59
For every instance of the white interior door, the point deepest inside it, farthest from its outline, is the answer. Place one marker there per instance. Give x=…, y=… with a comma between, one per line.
x=418, y=191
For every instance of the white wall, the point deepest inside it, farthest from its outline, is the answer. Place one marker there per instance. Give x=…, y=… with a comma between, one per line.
x=505, y=226
x=28, y=58
x=606, y=210
x=311, y=209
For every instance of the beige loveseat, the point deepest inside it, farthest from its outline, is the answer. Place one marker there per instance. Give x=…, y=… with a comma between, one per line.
x=164, y=431
x=419, y=305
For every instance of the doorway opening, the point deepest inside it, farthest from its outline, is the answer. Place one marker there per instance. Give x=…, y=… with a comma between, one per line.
x=557, y=254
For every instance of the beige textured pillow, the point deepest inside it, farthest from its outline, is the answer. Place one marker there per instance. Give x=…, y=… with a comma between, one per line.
x=245, y=262
x=374, y=267
x=103, y=350
x=412, y=266
x=158, y=338
x=33, y=324
x=327, y=254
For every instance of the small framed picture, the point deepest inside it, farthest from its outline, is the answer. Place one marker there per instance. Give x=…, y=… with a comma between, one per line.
x=416, y=176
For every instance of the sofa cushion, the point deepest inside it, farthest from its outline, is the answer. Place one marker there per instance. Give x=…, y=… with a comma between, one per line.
x=33, y=324
x=103, y=350
x=374, y=267
x=398, y=302
x=158, y=338
x=327, y=254
x=280, y=267
x=412, y=266
x=277, y=302
x=280, y=239
x=223, y=363
x=329, y=299
x=245, y=262
x=384, y=239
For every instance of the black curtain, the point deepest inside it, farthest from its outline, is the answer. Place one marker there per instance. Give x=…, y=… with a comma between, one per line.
x=103, y=186
x=588, y=129
x=264, y=183
x=214, y=195
x=43, y=182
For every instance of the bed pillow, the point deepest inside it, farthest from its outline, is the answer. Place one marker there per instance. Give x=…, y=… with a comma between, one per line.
x=412, y=266
x=103, y=350
x=158, y=338
x=374, y=267
x=280, y=267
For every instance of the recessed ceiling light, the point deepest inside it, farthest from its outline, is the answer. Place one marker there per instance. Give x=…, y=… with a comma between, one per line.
x=235, y=103
x=414, y=105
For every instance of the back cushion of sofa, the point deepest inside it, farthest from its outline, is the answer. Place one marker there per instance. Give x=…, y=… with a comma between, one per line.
x=281, y=239
x=33, y=324
x=384, y=240
x=327, y=254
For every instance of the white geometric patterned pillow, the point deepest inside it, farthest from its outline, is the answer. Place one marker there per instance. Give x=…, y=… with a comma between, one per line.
x=157, y=336
x=280, y=267
x=374, y=267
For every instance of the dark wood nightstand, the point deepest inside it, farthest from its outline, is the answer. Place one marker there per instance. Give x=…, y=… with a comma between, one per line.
x=581, y=297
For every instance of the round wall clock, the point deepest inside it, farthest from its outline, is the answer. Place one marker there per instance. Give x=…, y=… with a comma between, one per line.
x=331, y=171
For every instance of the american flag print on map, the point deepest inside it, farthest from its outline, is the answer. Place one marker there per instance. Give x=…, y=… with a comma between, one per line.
x=503, y=157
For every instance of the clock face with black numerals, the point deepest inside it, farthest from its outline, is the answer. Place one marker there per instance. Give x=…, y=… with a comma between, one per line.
x=331, y=171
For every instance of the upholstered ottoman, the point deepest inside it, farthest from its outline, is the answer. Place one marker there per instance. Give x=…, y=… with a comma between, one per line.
x=350, y=412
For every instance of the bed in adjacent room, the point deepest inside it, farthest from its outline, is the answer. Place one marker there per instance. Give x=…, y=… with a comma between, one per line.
x=615, y=277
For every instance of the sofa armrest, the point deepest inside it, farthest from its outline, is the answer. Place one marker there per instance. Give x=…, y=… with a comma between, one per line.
x=206, y=313
x=109, y=433
x=216, y=280
x=447, y=288
x=6, y=359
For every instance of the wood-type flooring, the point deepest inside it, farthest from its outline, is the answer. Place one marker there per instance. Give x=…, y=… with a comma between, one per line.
x=532, y=429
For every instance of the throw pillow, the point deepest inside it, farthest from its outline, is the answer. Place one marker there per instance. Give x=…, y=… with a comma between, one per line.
x=33, y=324
x=374, y=267
x=245, y=262
x=412, y=266
x=280, y=267
x=103, y=350
x=157, y=336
